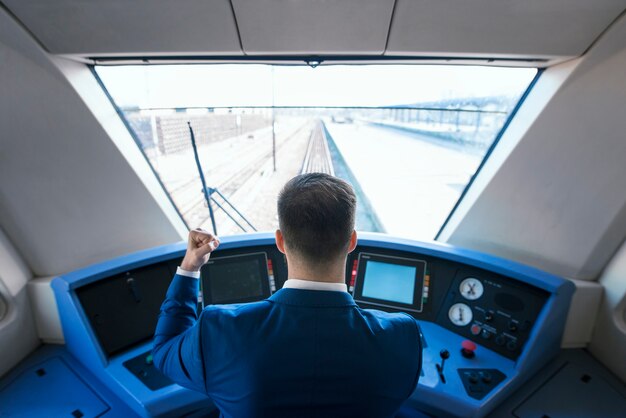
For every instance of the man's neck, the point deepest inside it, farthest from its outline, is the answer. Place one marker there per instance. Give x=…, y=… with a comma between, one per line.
x=334, y=273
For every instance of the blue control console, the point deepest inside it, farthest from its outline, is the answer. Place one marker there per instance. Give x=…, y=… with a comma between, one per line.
x=488, y=324
x=142, y=367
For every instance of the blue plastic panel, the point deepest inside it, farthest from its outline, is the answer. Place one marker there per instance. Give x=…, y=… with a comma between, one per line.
x=50, y=389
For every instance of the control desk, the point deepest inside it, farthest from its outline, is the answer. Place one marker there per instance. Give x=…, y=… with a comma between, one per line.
x=488, y=324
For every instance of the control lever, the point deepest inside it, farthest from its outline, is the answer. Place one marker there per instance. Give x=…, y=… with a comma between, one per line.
x=444, y=354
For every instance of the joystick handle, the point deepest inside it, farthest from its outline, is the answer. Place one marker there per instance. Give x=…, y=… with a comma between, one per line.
x=444, y=354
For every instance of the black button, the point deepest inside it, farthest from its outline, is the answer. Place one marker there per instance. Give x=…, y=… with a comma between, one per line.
x=472, y=377
x=513, y=326
x=485, y=334
x=486, y=377
x=488, y=316
x=500, y=340
x=511, y=345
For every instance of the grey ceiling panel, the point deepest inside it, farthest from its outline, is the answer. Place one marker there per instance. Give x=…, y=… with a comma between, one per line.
x=99, y=27
x=313, y=26
x=449, y=28
x=499, y=27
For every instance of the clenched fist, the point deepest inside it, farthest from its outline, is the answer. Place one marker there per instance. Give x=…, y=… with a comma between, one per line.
x=199, y=248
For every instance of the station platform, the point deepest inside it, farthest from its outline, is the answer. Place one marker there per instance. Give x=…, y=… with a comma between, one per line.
x=413, y=188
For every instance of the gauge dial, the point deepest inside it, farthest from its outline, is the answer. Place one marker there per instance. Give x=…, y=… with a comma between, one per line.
x=471, y=288
x=460, y=314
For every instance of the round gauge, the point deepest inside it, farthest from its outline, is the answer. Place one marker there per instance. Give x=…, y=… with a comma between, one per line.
x=460, y=314
x=471, y=288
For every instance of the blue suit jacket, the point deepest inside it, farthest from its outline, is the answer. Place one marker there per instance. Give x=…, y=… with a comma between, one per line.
x=300, y=353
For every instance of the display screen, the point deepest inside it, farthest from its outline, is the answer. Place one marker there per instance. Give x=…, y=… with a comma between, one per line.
x=235, y=279
x=390, y=281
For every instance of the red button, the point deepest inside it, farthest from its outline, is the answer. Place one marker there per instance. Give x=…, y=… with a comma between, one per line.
x=468, y=345
x=475, y=329
x=468, y=349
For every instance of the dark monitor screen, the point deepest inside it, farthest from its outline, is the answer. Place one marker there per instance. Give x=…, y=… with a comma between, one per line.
x=390, y=281
x=235, y=279
x=123, y=309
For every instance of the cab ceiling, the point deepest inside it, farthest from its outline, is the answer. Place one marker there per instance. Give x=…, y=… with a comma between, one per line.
x=530, y=29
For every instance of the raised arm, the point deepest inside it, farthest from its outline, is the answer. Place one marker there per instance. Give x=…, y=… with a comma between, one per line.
x=177, y=349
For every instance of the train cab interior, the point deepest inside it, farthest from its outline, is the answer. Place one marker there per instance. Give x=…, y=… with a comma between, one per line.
x=486, y=142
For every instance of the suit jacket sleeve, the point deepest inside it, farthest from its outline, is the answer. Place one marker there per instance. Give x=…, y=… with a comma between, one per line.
x=177, y=350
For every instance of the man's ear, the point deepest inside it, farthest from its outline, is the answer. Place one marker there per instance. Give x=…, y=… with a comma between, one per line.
x=353, y=240
x=280, y=241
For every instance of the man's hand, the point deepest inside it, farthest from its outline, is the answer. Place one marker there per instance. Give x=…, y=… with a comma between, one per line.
x=199, y=248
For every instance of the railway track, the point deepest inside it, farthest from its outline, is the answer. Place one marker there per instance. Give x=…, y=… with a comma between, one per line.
x=217, y=165
x=317, y=158
x=226, y=176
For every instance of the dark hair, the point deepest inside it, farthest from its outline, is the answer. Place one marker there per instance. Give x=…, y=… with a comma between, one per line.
x=316, y=216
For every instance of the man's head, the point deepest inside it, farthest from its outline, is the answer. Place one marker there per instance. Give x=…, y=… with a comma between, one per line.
x=316, y=217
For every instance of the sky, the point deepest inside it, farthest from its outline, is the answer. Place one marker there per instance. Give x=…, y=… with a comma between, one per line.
x=240, y=85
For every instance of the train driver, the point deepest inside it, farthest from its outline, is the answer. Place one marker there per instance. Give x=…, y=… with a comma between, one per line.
x=308, y=350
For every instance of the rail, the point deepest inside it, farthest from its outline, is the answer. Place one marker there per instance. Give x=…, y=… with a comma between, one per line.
x=317, y=158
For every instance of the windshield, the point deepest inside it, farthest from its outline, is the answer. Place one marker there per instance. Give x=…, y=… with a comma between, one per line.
x=409, y=138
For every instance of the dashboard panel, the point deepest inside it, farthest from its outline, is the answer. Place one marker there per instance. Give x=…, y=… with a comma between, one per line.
x=495, y=322
x=490, y=309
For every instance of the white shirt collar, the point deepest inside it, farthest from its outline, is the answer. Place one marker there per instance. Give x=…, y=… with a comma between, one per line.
x=311, y=285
